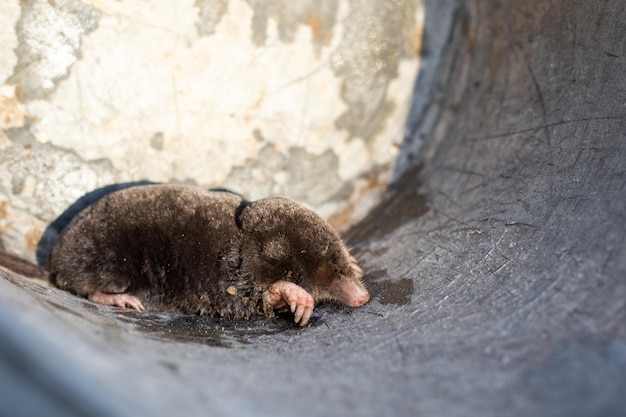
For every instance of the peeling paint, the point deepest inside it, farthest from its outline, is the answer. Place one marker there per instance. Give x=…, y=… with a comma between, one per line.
x=9, y=15
x=289, y=15
x=49, y=36
x=67, y=177
x=20, y=232
x=297, y=170
x=210, y=13
x=156, y=142
x=377, y=35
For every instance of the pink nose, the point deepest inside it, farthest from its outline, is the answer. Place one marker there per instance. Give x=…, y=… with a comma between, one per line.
x=359, y=301
x=352, y=293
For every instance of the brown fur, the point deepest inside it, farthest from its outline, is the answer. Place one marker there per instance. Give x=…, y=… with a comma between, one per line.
x=184, y=249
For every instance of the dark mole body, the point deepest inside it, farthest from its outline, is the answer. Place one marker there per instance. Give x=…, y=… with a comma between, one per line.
x=180, y=248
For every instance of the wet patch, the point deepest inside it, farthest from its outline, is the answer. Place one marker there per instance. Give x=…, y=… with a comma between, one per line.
x=388, y=291
x=208, y=330
x=166, y=326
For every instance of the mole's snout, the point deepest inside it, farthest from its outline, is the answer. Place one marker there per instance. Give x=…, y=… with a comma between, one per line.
x=358, y=302
x=352, y=293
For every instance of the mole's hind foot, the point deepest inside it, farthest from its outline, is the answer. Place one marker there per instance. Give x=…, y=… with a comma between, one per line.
x=283, y=294
x=119, y=300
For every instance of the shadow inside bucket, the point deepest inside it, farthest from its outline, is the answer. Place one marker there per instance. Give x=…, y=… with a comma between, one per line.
x=403, y=203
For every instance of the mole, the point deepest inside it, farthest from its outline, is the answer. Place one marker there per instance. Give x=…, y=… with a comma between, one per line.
x=183, y=249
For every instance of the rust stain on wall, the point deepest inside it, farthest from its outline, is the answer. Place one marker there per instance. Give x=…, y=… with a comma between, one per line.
x=12, y=113
x=32, y=237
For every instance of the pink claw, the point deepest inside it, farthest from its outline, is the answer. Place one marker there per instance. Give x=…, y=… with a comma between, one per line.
x=300, y=302
x=119, y=300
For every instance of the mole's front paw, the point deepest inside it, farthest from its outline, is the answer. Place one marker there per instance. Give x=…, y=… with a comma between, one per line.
x=119, y=300
x=287, y=293
x=301, y=304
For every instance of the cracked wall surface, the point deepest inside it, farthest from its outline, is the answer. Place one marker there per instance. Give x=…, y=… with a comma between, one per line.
x=303, y=99
x=49, y=37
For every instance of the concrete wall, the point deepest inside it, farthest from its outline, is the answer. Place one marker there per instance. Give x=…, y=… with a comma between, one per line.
x=303, y=99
